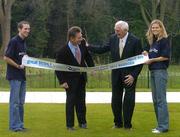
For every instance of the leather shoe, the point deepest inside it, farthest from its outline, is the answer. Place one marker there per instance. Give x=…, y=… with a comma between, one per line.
x=84, y=126
x=71, y=128
x=116, y=126
x=128, y=128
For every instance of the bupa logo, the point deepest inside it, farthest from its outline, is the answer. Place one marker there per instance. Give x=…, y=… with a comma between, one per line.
x=69, y=68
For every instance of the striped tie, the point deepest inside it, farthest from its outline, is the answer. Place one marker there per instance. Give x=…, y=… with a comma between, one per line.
x=78, y=55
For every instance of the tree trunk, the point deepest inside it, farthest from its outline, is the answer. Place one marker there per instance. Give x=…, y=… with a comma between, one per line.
x=5, y=21
x=5, y=28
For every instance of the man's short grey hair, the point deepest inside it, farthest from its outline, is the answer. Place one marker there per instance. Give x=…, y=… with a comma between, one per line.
x=123, y=25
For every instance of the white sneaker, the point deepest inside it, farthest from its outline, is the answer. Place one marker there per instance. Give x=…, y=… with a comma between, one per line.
x=156, y=131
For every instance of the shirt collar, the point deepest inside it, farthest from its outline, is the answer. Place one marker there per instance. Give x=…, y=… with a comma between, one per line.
x=72, y=46
x=125, y=37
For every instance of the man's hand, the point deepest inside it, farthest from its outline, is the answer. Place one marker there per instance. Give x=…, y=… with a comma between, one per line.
x=65, y=85
x=21, y=66
x=13, y=63
x=145, y=53
x=86, y=43
x=129, y=80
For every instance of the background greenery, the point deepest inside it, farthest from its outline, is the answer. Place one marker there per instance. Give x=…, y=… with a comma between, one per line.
x=50, y=20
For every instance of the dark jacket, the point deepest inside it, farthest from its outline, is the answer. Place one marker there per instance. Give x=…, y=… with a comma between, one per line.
x=65, y=56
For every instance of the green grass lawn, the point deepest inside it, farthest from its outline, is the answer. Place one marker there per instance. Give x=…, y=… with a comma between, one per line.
x=48, y=120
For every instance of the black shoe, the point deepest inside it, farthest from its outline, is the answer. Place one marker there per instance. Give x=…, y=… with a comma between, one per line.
x=71, y=128
x=117, y=126
x=128, y=128
x=84, y=126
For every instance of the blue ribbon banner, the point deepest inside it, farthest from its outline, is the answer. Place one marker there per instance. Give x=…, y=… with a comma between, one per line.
x=38, y=63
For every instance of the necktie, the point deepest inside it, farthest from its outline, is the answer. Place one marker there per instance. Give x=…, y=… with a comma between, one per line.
x=121, y=47
x=78, y=55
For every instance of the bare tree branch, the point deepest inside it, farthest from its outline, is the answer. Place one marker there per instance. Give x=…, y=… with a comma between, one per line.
x=163, y=4
x=149, y=17
x=143, y=13
x=154, y=8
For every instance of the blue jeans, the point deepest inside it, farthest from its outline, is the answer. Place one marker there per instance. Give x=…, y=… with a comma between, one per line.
x=16, y=108
x=158, y=86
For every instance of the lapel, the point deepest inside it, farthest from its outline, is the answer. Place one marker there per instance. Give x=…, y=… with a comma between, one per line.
x=81, y=50
x=116, y=46
x=127, y=45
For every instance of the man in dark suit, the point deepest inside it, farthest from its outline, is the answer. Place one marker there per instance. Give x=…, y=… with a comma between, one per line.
x=74, y=53
x=122, y=45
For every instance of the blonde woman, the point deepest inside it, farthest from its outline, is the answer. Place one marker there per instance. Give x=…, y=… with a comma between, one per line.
x=159, y=54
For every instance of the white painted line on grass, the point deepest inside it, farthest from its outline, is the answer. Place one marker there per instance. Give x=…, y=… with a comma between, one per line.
x=91, y=97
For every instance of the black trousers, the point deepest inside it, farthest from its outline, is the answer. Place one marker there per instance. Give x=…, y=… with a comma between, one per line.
x=122, y=107
x=75, y=101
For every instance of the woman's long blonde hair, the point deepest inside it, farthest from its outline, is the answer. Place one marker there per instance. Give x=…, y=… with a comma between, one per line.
x=149, y=34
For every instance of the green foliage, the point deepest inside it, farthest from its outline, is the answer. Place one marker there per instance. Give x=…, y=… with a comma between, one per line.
x=50, y=20
x=57, y=26
x=36, y=12
x=175, y=49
